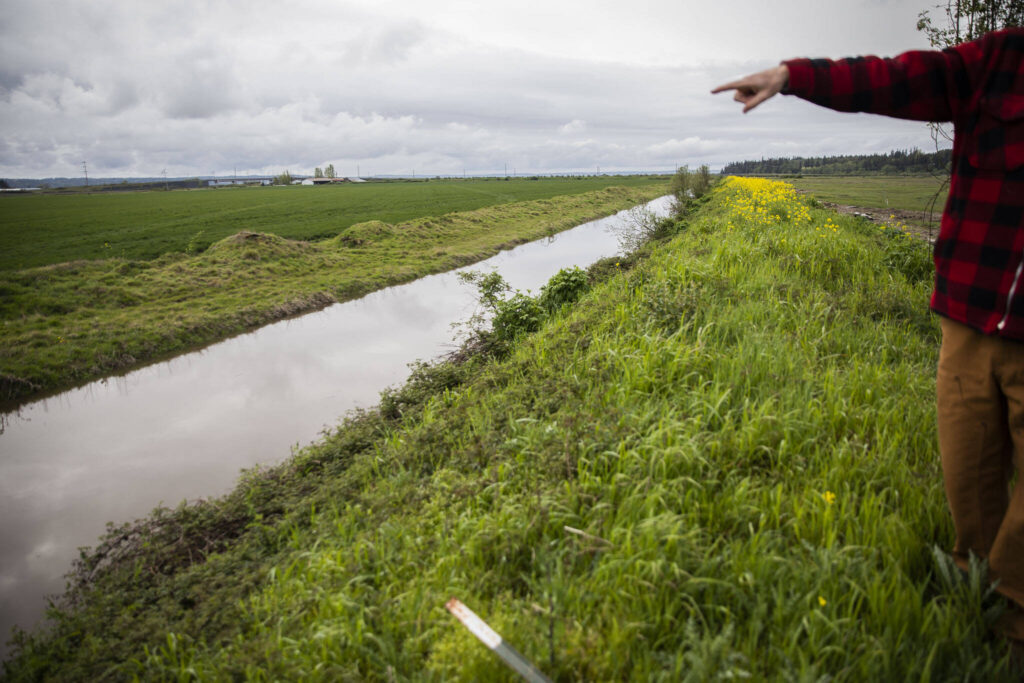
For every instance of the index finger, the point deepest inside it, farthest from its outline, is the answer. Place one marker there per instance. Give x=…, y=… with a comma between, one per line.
x=735, y=85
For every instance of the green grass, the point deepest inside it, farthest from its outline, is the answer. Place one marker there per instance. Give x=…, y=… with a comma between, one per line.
x=742, y=422
x=78, y=321
x=43, y=229
x=911, y=193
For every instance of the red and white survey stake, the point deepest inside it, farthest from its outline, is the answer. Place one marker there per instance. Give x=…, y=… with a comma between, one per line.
x=489, y=637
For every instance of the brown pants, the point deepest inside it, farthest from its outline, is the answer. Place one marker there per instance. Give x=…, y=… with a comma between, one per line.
x=980, y=391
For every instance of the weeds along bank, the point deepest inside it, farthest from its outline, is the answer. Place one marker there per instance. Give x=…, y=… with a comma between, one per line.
x=740, y=423
x=82, y=320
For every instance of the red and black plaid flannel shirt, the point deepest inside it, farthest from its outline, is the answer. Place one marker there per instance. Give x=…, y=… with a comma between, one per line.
x=979, y=86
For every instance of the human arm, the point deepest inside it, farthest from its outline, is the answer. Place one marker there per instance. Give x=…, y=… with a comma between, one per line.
x=919, y=85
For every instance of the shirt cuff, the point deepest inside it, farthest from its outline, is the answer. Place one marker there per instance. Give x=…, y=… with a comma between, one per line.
x=801, y=77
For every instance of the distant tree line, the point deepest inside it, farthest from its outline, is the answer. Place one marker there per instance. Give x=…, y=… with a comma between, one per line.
x=895, y=162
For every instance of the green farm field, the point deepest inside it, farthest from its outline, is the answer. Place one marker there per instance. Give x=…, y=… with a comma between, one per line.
x=909, y=193
x=42, y=229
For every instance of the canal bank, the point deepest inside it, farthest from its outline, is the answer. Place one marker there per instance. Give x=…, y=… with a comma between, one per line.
x=183, y=429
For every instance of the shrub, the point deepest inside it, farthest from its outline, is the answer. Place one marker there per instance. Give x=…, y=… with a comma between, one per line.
x=517, y=315
x=688, y=186
x=425, y=380
x=643, y=225
x=564, y=287
x=520, y=313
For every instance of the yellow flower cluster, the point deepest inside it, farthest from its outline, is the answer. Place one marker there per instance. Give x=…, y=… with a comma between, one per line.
x=763, y=203
x=894, y=224
x=823, y=230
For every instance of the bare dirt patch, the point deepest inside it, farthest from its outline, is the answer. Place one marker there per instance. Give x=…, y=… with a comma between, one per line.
x=923, y=224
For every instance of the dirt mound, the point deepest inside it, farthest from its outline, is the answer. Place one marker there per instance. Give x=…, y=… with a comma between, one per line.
x=362, y=233
x=257, y=244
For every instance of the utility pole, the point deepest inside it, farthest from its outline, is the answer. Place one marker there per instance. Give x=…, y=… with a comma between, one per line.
x=358, y=174
x=165, y=179
x=85, y=170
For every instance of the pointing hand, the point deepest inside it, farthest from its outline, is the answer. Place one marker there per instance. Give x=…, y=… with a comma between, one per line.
x=754, y=89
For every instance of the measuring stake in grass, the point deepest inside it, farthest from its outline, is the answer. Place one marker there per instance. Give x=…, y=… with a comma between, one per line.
x=492, y=640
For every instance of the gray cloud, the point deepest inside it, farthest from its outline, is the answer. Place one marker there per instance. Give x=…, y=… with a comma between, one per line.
x=390, y=46
x=196, y=87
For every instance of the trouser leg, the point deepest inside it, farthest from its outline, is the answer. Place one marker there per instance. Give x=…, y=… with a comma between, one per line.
x=1006, y=557
x=974, y=439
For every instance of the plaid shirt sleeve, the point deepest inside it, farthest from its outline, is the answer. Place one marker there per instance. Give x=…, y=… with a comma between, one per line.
x=979, y=86
x=918, y=85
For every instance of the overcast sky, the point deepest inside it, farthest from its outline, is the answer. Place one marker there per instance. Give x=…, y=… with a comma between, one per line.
x=427, y=86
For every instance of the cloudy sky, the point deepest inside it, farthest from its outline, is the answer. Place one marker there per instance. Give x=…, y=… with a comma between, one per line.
x=199, y=87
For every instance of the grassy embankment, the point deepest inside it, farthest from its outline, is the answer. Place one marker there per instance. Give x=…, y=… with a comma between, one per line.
x=71, y=322
x=741, y=423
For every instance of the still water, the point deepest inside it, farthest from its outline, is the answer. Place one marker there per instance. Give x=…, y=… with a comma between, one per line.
x=182, y=429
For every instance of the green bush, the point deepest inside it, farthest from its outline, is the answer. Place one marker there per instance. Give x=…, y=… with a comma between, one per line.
x=425, y=381
x=564, y=287
x=518, y=315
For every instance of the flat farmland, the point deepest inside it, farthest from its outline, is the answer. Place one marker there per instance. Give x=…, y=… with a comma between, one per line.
x=43, y=229
x=908, y=193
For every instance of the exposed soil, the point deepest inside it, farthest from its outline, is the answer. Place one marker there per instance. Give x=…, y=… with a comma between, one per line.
x=916, y=222
x=921, y=224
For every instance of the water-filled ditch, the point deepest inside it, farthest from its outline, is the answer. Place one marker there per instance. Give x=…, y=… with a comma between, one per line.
x=183, y=429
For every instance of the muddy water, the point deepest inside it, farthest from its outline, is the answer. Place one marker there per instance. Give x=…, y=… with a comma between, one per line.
x=183, y=429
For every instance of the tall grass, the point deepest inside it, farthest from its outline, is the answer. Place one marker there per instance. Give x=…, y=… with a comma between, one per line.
x=741, y=424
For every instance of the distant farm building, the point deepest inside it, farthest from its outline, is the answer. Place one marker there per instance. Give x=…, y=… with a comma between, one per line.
x=328, y=181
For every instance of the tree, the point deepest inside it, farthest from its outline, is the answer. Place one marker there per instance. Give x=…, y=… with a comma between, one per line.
x=283, y=179
x=688, y=186
x=329, y=172
x=966, y=20
x=318, y=173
